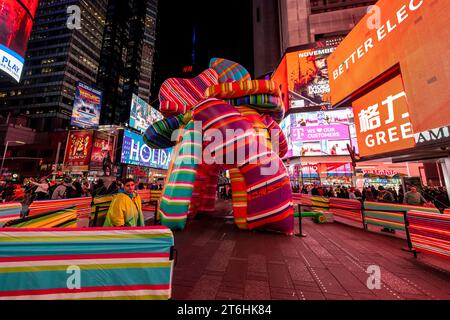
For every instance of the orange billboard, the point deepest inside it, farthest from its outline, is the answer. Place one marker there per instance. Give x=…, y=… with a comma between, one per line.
x=382, y=120
x=411, y=34
x=280, y=78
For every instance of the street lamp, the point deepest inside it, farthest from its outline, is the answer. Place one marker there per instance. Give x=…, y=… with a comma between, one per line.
x=6, y=148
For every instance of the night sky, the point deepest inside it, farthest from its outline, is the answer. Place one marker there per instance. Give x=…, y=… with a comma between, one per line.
x=223, y=29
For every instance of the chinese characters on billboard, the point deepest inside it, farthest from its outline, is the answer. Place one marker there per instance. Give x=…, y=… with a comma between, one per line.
x=142, y=115
x=16, y=22
x=78, y=151
x=307, y=73
x=410, y=35
x=86, y=107
x=103, y=153
x=320, y=133
x=136, y=152
x=382, y=120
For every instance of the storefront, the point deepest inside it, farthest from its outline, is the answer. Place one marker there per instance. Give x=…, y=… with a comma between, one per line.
x=303, y=172
x=142, y=163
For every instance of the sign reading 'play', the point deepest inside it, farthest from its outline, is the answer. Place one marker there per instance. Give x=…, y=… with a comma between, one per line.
x=319, y=133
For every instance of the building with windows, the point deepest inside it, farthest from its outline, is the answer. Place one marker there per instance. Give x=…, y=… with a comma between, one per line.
x=112, y=51
x=57, y=57
x=126, y=64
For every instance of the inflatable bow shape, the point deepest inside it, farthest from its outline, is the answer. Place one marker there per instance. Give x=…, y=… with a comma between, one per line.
x=222, y=99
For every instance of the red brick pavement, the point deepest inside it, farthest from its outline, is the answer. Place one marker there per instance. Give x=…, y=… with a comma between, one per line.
x=218, y=261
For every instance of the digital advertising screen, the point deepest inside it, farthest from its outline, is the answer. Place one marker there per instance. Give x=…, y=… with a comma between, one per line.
x=16, y=22
x=142, y=115
x=87, y=106
x=383, y=121
x=320, y=133
x=136, y=152
x=308, y=76
x=78, y=150
x=410, y=35
x=103, y=151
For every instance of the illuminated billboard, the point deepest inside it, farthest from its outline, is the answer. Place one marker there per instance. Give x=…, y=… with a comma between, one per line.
x=136, y=152
x=382, y=120
x=16, y=22
x=78, y=151
x=87, y=106
x=103, y=152
x=142, y=115
x=320, y=133
x=410, y=36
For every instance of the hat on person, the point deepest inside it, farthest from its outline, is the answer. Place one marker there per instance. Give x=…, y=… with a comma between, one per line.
x=67, y=180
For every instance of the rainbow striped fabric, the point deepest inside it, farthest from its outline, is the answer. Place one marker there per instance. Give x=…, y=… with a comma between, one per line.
x=229, y=71
x=263, y=103
x=9, y=211
x=430, y=233
x=177, y=96
x=347, y=212
x=159, y=134
x=389, y=215
x=269, y=195
x=274, y=128
x=234, y=90
x=54, y=214
x=112, y=264
x=179, y=188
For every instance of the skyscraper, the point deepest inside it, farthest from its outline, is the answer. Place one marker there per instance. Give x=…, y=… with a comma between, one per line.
x=57, y=57
x=126, y=64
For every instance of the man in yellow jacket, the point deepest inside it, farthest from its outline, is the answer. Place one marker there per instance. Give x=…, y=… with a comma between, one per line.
x=126, y=208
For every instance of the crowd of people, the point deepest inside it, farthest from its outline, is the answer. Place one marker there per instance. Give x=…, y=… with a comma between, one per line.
x=436, y=196
x=125, y=209
x=32, y=189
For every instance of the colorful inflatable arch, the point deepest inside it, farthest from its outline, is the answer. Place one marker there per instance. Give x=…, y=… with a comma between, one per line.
x=222, y=99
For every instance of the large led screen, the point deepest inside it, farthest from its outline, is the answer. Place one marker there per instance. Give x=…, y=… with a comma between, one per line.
x=410, y=34
x=78, y=150
x=16, y=22
x=142, y=115
x=136, y=152
x=320, y=133
x=307, y=73
x=87, y=106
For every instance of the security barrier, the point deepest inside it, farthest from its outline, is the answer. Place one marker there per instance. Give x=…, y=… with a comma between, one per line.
x=347, y=212
x=390, y=216
x=429, y=233
x=425, y=229
x=102, y=263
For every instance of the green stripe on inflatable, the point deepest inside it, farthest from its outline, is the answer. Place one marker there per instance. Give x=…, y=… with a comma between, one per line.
x=181, y=183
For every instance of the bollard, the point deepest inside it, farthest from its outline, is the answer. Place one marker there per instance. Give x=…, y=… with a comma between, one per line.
x=300, y=223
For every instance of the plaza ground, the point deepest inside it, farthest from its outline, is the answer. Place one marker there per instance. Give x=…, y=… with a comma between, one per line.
x=218, y=261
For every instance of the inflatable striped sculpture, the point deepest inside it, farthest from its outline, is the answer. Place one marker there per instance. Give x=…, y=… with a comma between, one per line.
x=200, y=114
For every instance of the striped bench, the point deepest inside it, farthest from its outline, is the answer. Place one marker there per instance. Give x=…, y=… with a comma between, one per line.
x=347, y=212
x=9, y=211
x=430, y=233
x=389, y=215
x=103, y=263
